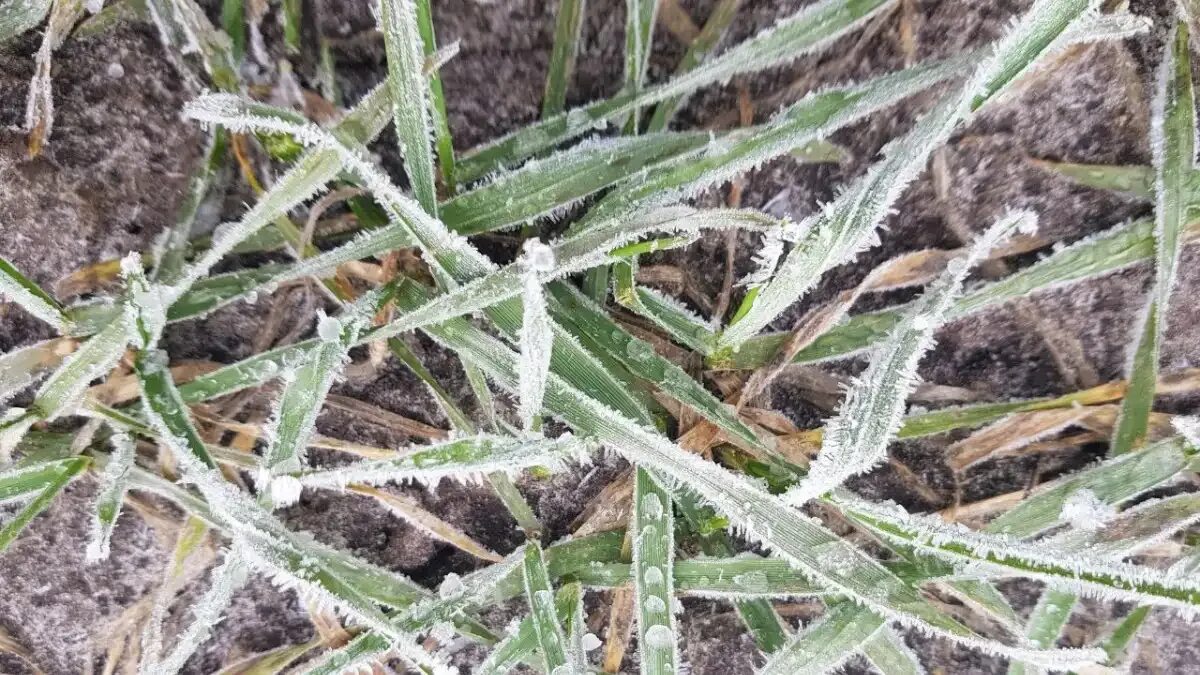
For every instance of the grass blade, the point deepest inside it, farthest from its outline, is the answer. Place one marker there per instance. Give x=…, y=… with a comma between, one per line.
x=888, y=653
x=827, y=644
x=639, y=357
x=714, y=29
x=304, y=392
x=437, y=99
x=857, y=439
x=114, y=481
x=1111, y=482
x=1049, y=617
x=1065, y=569
x=540, y=596
x=16, y=287
x=653, y=575
x=410, y=96
x=52, y=482
x=1173, y=138
x=537, y=334
x=465, y=459
x=18, y=17
x=567, y=28
x=639, y=37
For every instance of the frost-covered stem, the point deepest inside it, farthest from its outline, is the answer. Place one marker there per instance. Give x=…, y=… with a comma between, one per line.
x=1173, y=134
x=856, y=440
x=410, y=96
x=114, y=481
x=654, y=576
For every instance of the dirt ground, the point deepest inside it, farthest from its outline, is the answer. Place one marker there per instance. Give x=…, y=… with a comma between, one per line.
x=114, y=172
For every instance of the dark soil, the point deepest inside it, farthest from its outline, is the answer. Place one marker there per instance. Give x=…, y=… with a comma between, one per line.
x=114, y=172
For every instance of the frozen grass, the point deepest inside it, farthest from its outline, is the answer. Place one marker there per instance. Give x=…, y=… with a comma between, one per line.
x=569, y=356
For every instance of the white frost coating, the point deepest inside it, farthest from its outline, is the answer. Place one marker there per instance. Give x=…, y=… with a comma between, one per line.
x=857, y=439
x=848, y=224
x=451, y=586
x=1189, y=427
x=1075, y=571
x=590, y=642
x=94, y=6
x=660, y=637
x=14, y=291
x=766, y=259
x=113, y=483
x=1083, y=510
x=536, y=335
x=654, y=577
x=285, y=490
x=226, y=580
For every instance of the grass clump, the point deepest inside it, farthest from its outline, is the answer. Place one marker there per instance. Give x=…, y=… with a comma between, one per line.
x=546, y=328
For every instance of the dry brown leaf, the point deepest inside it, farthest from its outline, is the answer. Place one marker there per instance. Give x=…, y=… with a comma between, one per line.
x=1013, y=433
x=124, y=388
x=385, y=418
x=429, y=523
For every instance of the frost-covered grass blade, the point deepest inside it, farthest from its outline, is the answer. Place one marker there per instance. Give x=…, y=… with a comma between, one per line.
x=16, y=287
x=114, y=481
x=1173, y=139
x=654, y=576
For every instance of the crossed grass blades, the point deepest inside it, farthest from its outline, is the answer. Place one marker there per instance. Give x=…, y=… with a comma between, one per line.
x=566, y=356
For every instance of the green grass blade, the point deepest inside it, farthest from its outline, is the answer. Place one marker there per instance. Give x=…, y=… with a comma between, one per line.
x=739, y=579
x=567, y=27
x=639, y=40
x=1049, y=617
x=233, y=21
x=1111, y=482
x=639, y=357
x=1062, y=569
x=1173, y=136
x=811, y=118
x=443, y=141
x=857, y=439
x=63, y=473
x=350, y=585
x=848, y=225
x=764, y=623
x=114, y=481
x=465, y=459
x=523, y=642
x=544, y=187
x=714, y=29
x=175, y=246
x=805, y=31
x=410, y=96
x=17, y=288
x=304, y=392
x=456, y=260
x=306, y=178
x=683, y=325
x=1118, y=641
x=1134, y=179
x=537, y=333
x=888, y=653
x=653, y=575
x=1147, y=523
x=552, y=641
x=828, y=643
